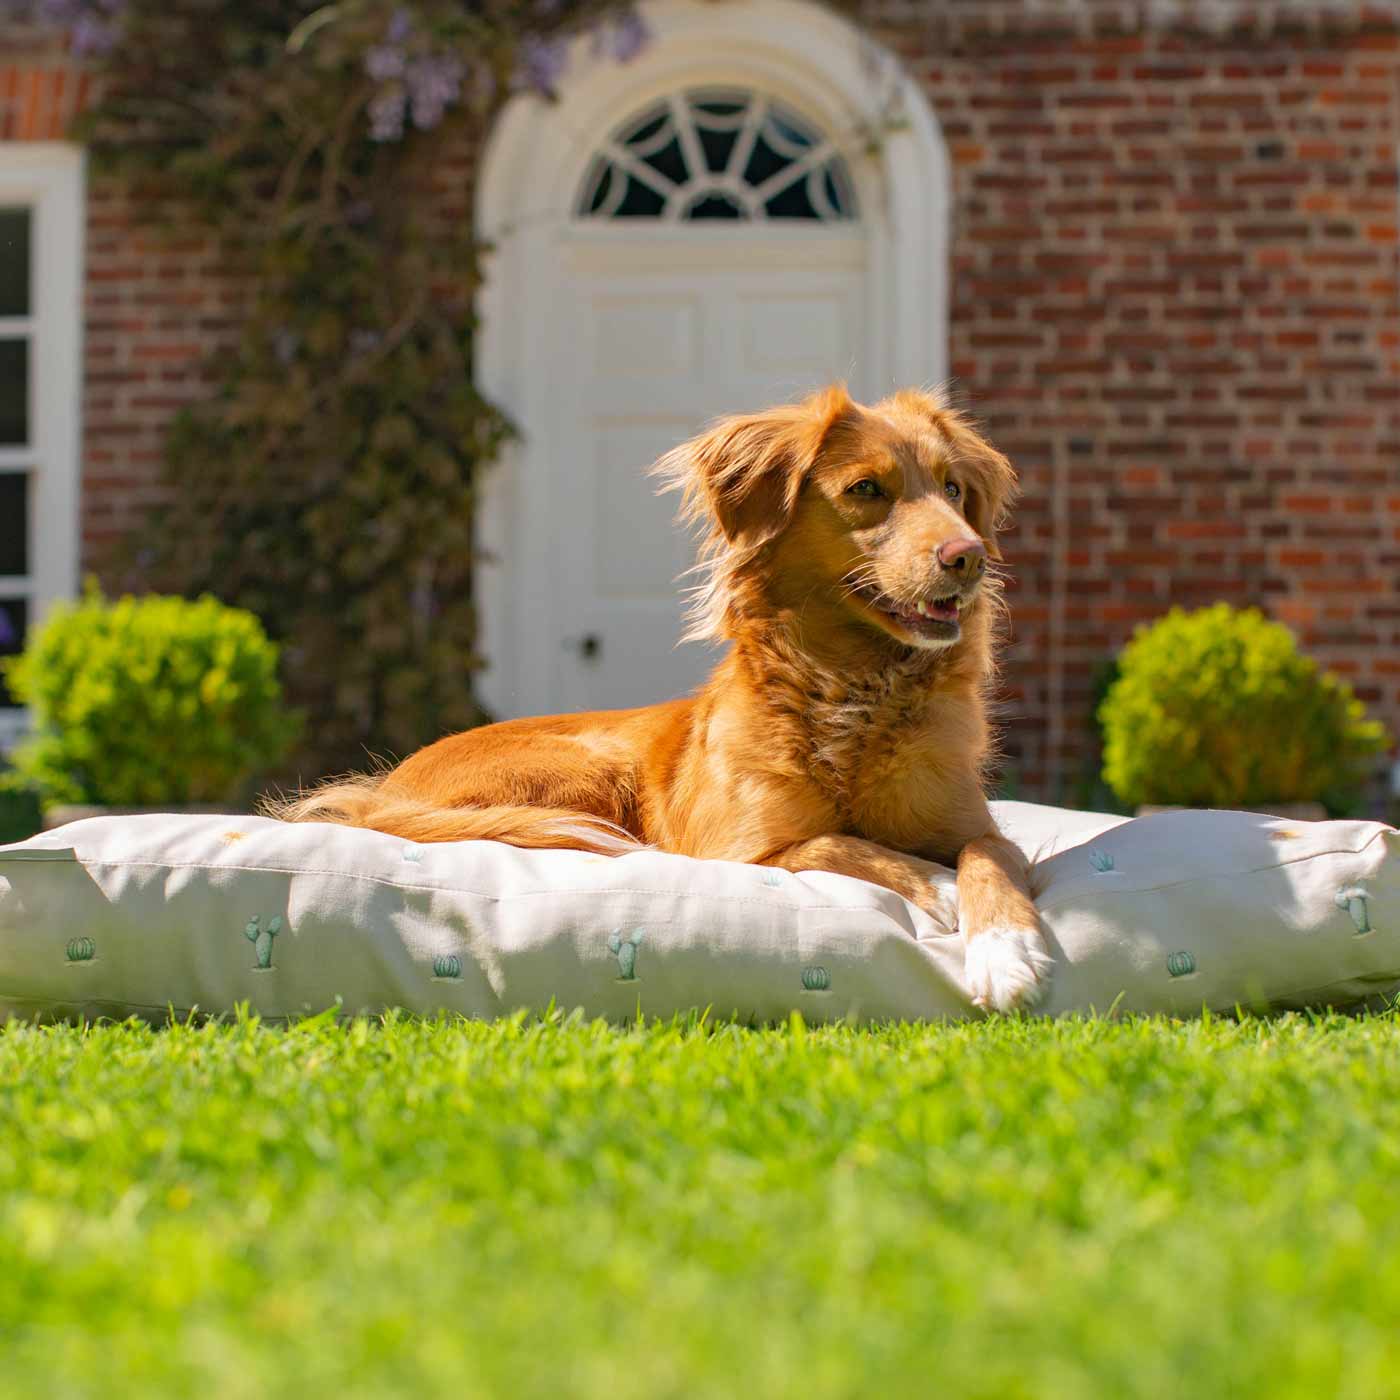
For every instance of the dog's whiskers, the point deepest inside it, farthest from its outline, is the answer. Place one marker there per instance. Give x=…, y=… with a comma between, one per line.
x=861, y=577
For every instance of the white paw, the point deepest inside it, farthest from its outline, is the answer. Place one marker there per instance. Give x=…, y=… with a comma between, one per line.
x=1007, y=968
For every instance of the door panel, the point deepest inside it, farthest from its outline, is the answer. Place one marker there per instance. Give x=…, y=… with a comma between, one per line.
x=804, y=332
x=637, y=549
x=640, y=336
x=654, y=352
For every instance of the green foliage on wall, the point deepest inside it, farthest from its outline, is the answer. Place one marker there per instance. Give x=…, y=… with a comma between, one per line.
x=328, y=482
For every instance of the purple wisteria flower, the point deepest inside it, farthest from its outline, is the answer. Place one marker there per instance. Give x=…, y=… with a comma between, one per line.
x=623, y=38
x=385, y=62
x=387, y=110
x=434, y=83
x=93, y=26
x=543, y=63
x=419, y=85
x=92, y=34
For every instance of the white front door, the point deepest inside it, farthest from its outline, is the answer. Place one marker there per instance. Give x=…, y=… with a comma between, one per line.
x=661, y=335
x=704, y=230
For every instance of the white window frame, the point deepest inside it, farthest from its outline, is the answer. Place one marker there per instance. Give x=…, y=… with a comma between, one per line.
x=48, y=178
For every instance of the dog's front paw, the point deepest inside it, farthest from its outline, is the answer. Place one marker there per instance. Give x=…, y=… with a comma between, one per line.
x=1007, y=968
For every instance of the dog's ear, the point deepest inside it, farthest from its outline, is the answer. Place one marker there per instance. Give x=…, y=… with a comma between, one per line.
x=990, y=484
x=746, y=472
x=987, y=476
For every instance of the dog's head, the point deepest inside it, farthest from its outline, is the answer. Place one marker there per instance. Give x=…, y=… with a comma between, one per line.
x=875, y=519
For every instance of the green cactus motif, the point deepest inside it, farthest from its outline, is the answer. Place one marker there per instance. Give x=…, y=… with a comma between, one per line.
x=772, y=878
x=816, y=979
x=447, y=967
x=626, y=951
x=261, y=939
x=1353, y=900
x=1101, y=861
x=412, y=854
x=81, y=950
x=1181, y=964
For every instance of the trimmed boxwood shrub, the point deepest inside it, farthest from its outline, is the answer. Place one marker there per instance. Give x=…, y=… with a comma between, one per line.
x=1217, y=708
x=147, y=702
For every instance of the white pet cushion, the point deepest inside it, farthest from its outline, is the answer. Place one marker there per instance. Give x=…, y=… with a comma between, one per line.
x=1169, y=913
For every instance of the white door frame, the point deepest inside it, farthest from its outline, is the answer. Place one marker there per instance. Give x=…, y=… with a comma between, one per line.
x=531, y=173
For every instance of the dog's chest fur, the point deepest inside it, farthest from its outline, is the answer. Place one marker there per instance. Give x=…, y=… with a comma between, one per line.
x=889, y=752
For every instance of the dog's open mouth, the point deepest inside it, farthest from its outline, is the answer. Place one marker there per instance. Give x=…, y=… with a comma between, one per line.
x=934, y=618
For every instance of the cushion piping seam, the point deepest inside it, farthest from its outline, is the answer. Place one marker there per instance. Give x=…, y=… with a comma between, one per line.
x=1238, y=874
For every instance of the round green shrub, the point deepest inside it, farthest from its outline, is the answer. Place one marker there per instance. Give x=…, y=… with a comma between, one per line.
x=147, y=702
x=1217, y=708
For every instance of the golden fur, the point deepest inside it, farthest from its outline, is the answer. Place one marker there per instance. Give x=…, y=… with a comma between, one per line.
x=846, y=729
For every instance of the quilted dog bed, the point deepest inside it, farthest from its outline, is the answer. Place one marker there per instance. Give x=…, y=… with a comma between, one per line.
x=1171, y=913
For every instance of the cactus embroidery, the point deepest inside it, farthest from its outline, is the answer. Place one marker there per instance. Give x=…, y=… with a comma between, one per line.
x=447, y=967
x=1181, y=964
x=81, y=950
x=772, y=878
x=1101, y=861
x=261, y=939
x=816, y=979
x=413, y=854
x=625, y=950
x=1353, y=900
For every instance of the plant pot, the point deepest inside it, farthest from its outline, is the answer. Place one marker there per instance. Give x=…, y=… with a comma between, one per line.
x=1290, y=811
x=66, y=812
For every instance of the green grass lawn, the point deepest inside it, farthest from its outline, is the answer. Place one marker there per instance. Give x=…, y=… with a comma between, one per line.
x=564, y=1209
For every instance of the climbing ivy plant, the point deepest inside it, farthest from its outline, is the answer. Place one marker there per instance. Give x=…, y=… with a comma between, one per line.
x=328, y=480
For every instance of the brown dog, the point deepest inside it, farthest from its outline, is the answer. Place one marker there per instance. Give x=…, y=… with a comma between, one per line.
x=845, y=556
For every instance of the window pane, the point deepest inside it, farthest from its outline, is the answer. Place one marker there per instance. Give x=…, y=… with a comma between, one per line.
x=793, y=202
x=14, y=523
x=669, y=162
x=764, y=163
x=14, y=392
x=14, y=617
x=716, y=206
x=640, y=201
x=14, y=262
x=725, y=122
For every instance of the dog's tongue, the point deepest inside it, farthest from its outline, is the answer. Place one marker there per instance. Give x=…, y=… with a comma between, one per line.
x=945, y=610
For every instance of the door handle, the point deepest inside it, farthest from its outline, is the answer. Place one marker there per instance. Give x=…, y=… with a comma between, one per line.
x=589, y=646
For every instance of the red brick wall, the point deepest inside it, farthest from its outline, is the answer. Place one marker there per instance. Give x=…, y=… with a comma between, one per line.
x=158, y=309
x=1174, y=302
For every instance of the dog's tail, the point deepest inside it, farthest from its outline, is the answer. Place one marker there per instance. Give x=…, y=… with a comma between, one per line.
x=362, y=802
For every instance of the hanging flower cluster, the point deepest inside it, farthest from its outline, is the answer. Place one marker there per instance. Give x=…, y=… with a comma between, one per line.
x=93, y=26
x=421, y=84
x=423, y=59
x=421, y=71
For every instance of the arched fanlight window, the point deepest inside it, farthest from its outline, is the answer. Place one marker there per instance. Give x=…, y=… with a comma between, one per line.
x=718, y=153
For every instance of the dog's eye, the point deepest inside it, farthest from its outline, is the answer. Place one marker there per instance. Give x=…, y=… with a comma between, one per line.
x=865, y=487
x=953, y=491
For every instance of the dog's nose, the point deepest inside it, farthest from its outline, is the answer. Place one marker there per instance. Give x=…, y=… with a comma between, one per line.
x=966, y=558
